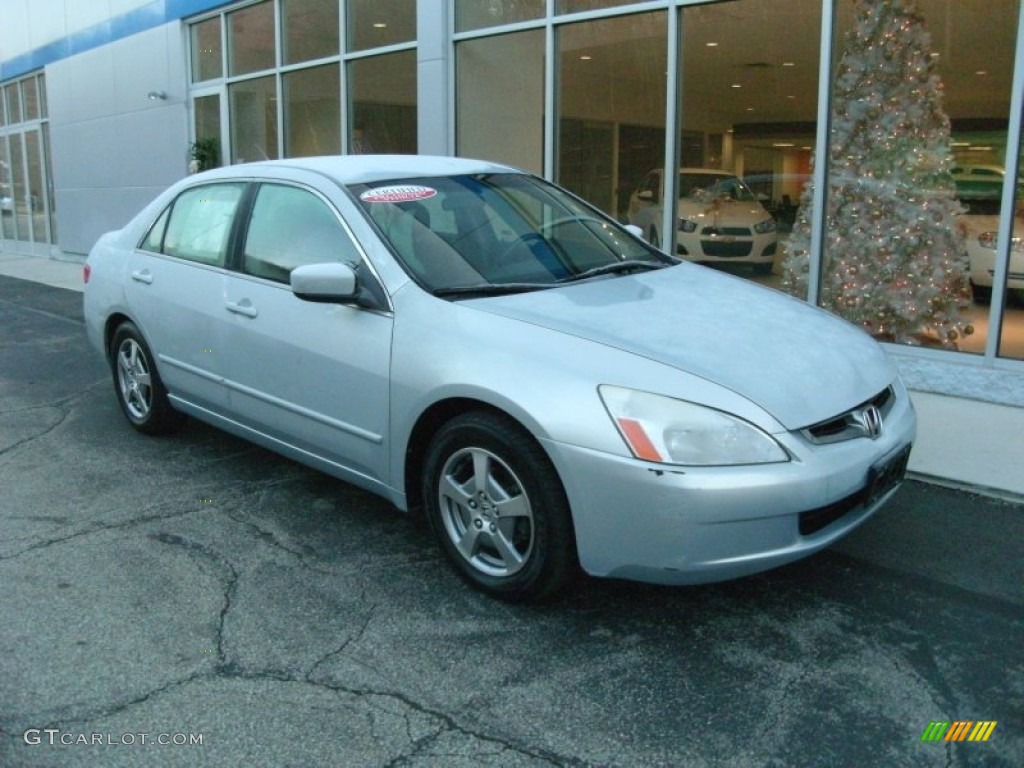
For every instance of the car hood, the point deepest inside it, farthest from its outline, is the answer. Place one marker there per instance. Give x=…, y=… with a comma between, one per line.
x=800, y=364
x=722, y=212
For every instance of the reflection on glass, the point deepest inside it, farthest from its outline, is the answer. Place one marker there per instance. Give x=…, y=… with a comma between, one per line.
x=251, y=39
x=1011, y=336
x=484, y=112
x=611, y=110
x=36, y=190
x=13, y=103
x=476, y=14
x=207, y=150
x=312, y=119
x=19, y=204
x=7, y=221
x=206, y=50
x=41, y=80
x=51, y=204
x=373, y=23
x=30, y=98
x=310, y=29
x=382, y=93
x=579, y=6
x=253, y=106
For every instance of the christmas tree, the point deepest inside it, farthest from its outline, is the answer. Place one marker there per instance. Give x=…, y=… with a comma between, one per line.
x=895, y=261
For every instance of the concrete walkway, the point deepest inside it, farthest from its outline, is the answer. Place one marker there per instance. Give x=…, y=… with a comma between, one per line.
x=962, y=443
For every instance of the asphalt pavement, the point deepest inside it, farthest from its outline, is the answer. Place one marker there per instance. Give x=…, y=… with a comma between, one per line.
x=197, y=601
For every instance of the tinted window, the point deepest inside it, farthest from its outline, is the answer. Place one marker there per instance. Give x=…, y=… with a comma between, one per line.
x=200, y=223
x=291, y=227
x=155, y=239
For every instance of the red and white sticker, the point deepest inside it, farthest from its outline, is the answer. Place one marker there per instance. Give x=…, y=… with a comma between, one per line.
x=403, y=193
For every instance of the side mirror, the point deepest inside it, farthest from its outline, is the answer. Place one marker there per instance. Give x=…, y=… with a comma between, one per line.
x=646, y=195
x=335, y=282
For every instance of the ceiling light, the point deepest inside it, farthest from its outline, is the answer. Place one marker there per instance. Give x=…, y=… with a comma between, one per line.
x=585, y=57
x=789, y=63
x=782, y=144
x=711, y=45
x=981, y=72
x=736, y=85
x=380, y=25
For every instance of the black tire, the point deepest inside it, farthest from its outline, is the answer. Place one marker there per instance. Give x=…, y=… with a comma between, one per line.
x=513, y=538
x=140, y=392
x=982, y=294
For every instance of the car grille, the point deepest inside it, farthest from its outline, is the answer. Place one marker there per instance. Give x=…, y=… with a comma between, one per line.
x=851, y=424
x=726, y=250
x=722, y=231
x=814, y=520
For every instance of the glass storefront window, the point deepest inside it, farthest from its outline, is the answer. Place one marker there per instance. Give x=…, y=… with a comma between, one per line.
x=483, y=112
x=36, y=189
x=310, y=29
x=312, y=118
x=253, y=105
x=30, y=98
x=382, y=104
x=251, y=39
x=375, y=23
x=12, y=97
x=611, y=106
x=208, y=148
x=8, y=226
x=207, y=58
x=579, y=6
x=478, y=14
x=915, y=168
x=748, y=110
x=41, y=80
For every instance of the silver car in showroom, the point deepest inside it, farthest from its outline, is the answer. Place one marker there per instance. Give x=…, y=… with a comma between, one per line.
x=478, y=345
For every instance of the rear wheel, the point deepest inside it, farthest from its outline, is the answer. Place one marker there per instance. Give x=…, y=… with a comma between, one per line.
x=498, y=507
x=140, y=392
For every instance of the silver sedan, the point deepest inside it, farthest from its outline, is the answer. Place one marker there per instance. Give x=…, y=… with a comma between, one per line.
x=478, y=345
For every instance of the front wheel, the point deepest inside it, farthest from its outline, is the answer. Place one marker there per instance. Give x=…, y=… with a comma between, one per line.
x=498, y=507
x=140, y=392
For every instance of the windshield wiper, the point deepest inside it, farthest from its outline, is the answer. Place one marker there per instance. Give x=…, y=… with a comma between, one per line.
x=490, y=289
x=615, y=266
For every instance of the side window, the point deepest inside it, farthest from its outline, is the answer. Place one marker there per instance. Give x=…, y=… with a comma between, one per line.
x=200, y=223
x=291, y=227
x=154, y=240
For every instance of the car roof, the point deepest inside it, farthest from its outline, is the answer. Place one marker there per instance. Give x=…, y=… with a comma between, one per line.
x=359, y=169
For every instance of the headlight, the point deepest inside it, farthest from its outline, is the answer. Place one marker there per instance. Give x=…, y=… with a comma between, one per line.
x=670, y=431
x=768, y=225
x=685, y=225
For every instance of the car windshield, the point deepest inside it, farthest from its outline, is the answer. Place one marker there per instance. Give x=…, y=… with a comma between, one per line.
x=713, y=187
x=498, y=232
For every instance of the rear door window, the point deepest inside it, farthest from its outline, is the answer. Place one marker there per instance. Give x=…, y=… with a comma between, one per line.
x=197, y=225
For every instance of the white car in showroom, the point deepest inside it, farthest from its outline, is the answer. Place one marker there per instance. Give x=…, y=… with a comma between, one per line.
x=478, y=345
x=982, y=235
x=719, y=219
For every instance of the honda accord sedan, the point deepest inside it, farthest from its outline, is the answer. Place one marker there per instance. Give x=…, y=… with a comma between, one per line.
x=480, y=346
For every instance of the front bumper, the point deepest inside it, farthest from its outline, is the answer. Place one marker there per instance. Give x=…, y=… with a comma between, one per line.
x=689, y=525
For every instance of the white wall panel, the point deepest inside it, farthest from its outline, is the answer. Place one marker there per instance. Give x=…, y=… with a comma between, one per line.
x=113, y=149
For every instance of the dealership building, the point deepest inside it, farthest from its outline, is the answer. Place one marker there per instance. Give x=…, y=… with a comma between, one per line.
x=105, y=103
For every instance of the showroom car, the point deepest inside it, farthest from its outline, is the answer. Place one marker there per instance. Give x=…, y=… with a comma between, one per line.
x=982, y=235
x=719, y=219
x=480, y=346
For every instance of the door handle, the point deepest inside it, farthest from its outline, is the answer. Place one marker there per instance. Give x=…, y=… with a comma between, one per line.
x=142, y=276
x=243, y=307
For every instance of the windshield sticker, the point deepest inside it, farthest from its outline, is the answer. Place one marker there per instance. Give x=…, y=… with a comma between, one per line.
x=404, y=193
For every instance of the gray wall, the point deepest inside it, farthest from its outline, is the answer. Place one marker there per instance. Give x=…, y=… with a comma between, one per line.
x=113, y=149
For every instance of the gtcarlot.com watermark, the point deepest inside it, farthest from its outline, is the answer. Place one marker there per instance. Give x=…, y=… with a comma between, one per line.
x=55, y=737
